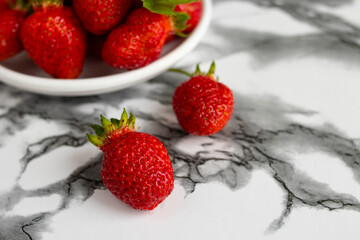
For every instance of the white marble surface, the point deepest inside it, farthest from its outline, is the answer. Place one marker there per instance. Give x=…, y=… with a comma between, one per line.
x=287, y=166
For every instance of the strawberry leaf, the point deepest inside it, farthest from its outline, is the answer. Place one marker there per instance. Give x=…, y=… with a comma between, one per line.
x=107, y=125
x=96, y=140
x=131, y=123
x=99, y=130
x=123, y=119
x=165, y=7
x=197, y=71
x=179, y=21
x=211, y=71
x=115, y=122
x=111, y=127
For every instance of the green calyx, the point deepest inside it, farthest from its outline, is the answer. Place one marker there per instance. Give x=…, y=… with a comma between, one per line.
x=20, y=5
x=179, y=20
x=123, y=125
x=198, y=72
x=167, y=7
x=46, y=3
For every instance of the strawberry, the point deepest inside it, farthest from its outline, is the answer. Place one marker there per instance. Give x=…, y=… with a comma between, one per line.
x=136, y=166
x=194, y=11
x=11, y=20
x=139, y=41
x=4, y=5
x=100, y=16
x=202, y=105
x=55, y=39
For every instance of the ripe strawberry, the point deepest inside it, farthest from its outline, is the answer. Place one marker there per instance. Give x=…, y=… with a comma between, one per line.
x=4, y=5
x=138, y=42
x=100, y=16
x=202, y=105
x=194, y=11
x=136, y=166
x=11, y=20
x=55, y=39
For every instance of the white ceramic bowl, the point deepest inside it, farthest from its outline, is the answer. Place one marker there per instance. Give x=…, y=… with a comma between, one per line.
x=21, y=72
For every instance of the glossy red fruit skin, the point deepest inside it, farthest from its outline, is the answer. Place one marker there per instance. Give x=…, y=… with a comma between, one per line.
x=194, y=10
x=137, y=170
x=55, y=40
x=10, y=26
x=100, y=16
x=138, y=42
x=202, y=105
x=4, y=5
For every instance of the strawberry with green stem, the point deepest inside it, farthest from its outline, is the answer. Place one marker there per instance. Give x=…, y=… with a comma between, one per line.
x=136, y=166
x=55, y=39
x=170, y=8
x=12, y=16
x=202, y=105
x=194, y=11
x=140, y=40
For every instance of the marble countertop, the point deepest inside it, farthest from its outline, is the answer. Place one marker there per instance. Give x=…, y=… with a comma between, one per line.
x=287, y=166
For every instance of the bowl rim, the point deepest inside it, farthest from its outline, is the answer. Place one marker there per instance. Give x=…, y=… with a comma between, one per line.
x=109, y=83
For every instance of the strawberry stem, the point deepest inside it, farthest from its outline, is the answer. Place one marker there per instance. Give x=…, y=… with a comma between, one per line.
x=180, y=71
x=198, y=72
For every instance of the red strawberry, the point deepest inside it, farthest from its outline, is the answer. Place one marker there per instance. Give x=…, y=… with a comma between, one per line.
x=194, y=11
x=4, y=5
x=100, y=16
x=136, y=166
x=55, y=40
x=138, y=42
x=11, y=20
x=202, y=105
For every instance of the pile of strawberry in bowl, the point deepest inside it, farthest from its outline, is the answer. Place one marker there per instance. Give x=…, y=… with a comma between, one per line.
x=125, y=34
